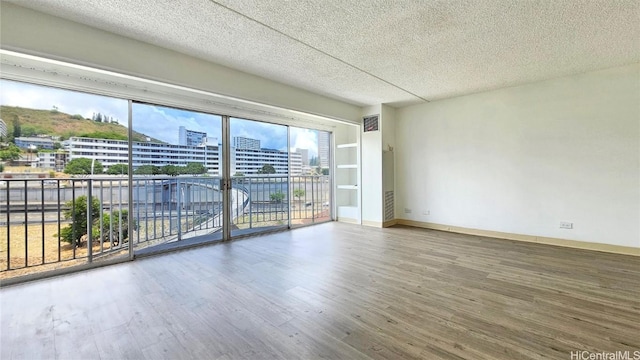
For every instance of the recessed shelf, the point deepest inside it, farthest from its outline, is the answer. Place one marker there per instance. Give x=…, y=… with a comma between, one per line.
x=351, y=145
x=350, y=212
x=348, y=166
x=348, y=187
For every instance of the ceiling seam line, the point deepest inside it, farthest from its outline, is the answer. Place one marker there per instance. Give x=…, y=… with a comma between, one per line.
x=319, y=50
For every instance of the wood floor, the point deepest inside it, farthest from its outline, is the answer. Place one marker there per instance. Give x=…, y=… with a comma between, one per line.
x=334, y=291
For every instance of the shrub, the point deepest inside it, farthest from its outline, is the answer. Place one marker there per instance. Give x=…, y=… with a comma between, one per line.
x=77, y=212
x=111, y=227
x=276, y=197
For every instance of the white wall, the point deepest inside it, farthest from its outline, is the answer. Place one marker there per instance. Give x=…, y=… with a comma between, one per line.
x=35, y=33
x=522, y=159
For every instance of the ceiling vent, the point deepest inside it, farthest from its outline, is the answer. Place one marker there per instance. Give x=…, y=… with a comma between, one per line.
x=371, y=123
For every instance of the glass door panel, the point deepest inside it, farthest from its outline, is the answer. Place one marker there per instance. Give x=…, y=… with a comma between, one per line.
x=259, y=169
x=310, y=179
x=177, y=174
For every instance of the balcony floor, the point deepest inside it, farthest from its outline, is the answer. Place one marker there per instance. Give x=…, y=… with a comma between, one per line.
x=334, y=291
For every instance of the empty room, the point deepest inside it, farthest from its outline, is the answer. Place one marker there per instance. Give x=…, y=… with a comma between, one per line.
x=213, y=179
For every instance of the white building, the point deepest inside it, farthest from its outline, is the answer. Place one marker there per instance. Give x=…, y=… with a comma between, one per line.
x=3, y=128
x=240, y=142
x=250, y=161
x=191, y=137
x=247, y=161
x=111, y=152
x=323, y=149
x=52, y=160
x=304, y=153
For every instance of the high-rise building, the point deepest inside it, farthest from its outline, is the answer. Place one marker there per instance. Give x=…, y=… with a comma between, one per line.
x=323, y=149
x=3, y=128
x=244, y=143
x=190, y=137
x=304, y=154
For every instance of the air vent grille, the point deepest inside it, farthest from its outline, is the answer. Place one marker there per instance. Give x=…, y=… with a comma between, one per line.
x=389, y=206
x=371, y=123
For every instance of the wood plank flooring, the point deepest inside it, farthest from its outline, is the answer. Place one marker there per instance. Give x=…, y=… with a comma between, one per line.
x=334, y=291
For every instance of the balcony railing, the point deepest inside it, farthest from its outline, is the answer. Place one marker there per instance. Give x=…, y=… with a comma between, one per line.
x=45, y=225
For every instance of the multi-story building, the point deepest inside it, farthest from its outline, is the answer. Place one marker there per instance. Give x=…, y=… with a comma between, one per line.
x=34, y=142
x=52, y=160
x=247, y=161
x=3, y=129
x=191, y=137
x=250, y=161
x=244, y=143
x=111, y=152
x=323, y=149
x=304, y=153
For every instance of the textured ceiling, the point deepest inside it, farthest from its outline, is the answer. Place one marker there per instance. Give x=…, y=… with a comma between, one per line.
x=379, y=51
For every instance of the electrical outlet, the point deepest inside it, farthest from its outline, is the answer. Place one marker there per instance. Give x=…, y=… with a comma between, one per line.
x=407, y=211
x=426, y=212
x=566, y=225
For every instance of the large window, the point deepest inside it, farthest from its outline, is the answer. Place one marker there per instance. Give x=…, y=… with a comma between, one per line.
x=63, y=188
x=77, y=185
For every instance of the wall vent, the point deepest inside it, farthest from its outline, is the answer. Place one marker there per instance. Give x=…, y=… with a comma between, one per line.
x=389, y=206
x=371, y=123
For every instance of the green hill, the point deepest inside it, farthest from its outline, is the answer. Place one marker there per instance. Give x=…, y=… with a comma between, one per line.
x=56, y=123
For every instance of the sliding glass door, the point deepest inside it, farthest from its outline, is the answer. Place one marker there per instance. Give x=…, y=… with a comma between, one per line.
x=177, y=173
x=259, y=168
x=310, y=185
x=154, y=177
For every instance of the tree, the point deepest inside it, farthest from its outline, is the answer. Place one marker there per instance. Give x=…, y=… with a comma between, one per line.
x=77, y=212
x=147, y=170
x=298, y=193
x=267, y=169
x=82, y=166
x=170, y=170
x=276, y=197
x=1, y=168
x=17, y=130
x=118, y=169
x=194, y=169
x=325, y=171
x=238, y=174
x=12, y=152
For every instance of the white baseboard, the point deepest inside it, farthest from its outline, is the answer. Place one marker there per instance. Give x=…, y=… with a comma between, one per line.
x=617, y=249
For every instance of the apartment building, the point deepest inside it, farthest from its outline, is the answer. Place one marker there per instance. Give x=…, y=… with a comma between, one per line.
x=111, y=152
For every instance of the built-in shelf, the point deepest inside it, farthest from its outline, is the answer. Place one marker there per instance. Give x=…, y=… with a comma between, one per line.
x=347, y=181
x=348, y=187
x=348, y=212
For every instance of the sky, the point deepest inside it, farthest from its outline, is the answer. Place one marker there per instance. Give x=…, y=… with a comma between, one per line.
x=155, y=121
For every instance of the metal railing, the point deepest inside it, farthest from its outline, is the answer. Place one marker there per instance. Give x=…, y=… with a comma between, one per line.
x=44, y=223
x=272, y=199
